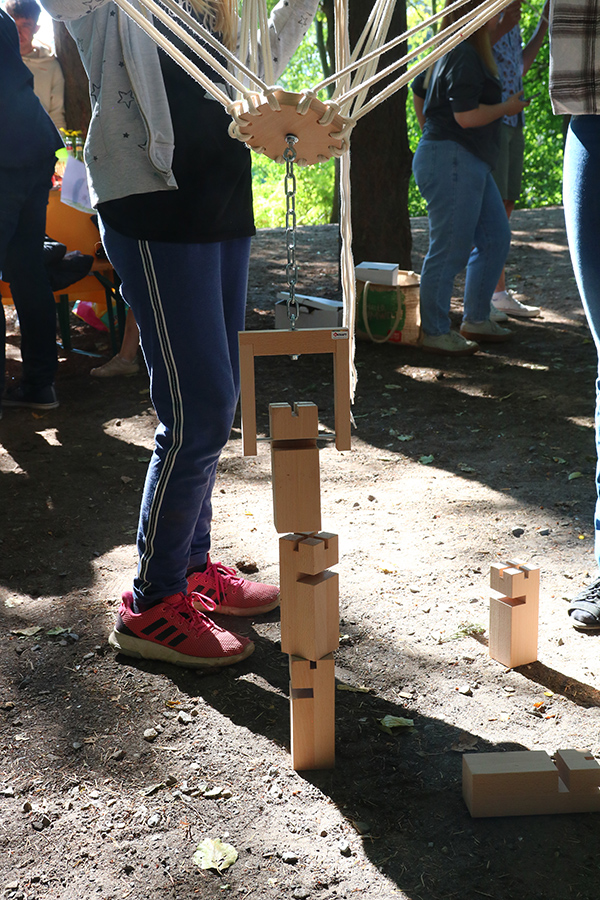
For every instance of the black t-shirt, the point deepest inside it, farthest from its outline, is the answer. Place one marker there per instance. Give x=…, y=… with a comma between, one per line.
x=213, y=201
x=459, y=82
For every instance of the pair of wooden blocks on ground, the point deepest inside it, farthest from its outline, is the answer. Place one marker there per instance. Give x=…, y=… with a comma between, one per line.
x=514, y=613
x=529, y=782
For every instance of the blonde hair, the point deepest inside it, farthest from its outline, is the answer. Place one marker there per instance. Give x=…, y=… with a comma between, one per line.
x=221, y=17
x=480, y=39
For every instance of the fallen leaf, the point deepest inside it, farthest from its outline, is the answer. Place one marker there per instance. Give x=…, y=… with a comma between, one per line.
x=389, y=722
x=214, y=854
x=425, y=460
x=573, y=475
x=465, y=468
x=351, y=687
x=57, y=630
x=405, y=437
x=27, y=632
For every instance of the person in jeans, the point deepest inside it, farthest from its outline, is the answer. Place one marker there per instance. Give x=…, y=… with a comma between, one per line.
x=459, y=105
x=174, y=197
x=575, y=90
x=28, y=145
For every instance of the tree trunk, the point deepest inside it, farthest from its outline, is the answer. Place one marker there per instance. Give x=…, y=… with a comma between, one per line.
x=77, y=98
x=381, y=164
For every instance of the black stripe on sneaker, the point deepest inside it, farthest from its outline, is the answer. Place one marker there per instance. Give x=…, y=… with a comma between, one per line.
x=208, y=592
x=177, y=640
x=165, y=634
x=160, y=623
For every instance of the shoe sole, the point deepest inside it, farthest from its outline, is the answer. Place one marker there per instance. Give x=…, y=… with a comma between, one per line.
x=486, y=338
x=522, y=315
x=437, y=351
x=137, y=648
x=238, y=610
x=23, y=405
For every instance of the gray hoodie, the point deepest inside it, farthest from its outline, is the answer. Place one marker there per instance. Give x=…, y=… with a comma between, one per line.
x=128, y=94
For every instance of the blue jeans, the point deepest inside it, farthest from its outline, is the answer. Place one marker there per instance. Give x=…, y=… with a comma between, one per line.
x=189, y=302
x=581, y=193
x=23, y=201
x=467, y=227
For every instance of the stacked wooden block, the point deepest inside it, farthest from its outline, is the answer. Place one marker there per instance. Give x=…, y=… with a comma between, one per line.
x=309, y=591
x=514, y=610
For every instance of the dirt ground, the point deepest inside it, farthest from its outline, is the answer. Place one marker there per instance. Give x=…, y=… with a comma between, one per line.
x=114, y=771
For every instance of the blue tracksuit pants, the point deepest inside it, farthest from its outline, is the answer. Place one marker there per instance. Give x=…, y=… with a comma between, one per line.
x=189, y=302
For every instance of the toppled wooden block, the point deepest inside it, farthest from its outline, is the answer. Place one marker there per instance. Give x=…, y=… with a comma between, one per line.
x=529, y=783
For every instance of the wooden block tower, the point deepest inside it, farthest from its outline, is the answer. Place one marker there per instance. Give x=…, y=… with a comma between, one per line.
x=514, y=609
x=309, y=590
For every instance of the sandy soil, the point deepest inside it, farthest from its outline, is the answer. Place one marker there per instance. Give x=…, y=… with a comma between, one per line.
x=114, y=771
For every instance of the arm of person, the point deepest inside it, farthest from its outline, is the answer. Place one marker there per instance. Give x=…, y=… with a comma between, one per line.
x=56, y=110
x=510, y=18
x=486, y=113
x=419, y=103
x=531, y=49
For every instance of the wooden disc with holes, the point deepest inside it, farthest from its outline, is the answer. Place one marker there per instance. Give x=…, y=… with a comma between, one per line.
x=268, y=130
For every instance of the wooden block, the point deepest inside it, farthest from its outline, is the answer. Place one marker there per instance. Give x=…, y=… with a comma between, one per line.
x=514, y=613
x=286, y=424
x=516, y=579
x=578, y=770
x=312, y=707
x=292, y=343
x=523, y=783
x=308, y=554
x=296, y=487
x=310, y=618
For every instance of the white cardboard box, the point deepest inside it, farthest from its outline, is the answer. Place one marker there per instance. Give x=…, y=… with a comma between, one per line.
x=314, y=312
x=377, y=273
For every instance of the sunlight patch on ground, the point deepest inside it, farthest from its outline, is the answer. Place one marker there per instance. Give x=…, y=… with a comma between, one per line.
x=9, y=465
x=50, y=435
x=137, y=430
x=581, y=421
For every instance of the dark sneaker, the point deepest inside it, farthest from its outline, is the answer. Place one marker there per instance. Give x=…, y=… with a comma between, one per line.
x=175, y=632
x=231, y=594
x=31, y=398
x=584, y=611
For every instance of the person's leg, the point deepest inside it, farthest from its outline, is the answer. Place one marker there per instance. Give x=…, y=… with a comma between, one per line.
x=174, y=292
x=125, y=362
x=453, y=183
x=581, y=189
x=30, y=287
x=491, y=241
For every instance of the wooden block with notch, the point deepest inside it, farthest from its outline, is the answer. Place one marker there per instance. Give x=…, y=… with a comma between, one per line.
x=310, y=621
x=295, y=467
x=528, y=782
x=514, y=614
x=312, y=706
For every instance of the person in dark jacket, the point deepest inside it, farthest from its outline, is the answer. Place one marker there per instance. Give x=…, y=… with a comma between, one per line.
x=28, y=145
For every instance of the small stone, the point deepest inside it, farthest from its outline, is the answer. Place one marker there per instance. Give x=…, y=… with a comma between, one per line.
x=118, y=754
x=344, y=847
x=154, y=820
x=213, y=793
x=517, y=532
x=561, y=643
x=289, y=857
x=300, y=893
x=150, y=734
x=247, y=566
x=89, y=656
x=7, y=792
x=226, y=793
x=76, y=745
x=184, y=718
x=371, y=498
x=27, y=807
x=323, y=832
x=544, y=531
x=72, y=637
x=11, y=886
x=465, y=689
x=170, y=780
x=94, y=794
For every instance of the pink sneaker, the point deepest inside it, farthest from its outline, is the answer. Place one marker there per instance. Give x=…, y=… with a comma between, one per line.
x=176, y=631
x=231, y=594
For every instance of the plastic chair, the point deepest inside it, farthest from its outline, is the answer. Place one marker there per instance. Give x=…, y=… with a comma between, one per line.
x=76, y=231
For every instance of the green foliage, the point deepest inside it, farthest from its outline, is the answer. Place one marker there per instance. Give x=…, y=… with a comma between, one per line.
x=315, y=184
x=542, y=174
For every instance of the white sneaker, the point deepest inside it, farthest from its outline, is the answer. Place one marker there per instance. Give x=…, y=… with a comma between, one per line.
x=496, y=315
x=506, y=302
x=450, y=344
x=116, y=366
x=485, y=331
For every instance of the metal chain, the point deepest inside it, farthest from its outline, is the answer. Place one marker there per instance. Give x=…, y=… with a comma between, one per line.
x=291, y=269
